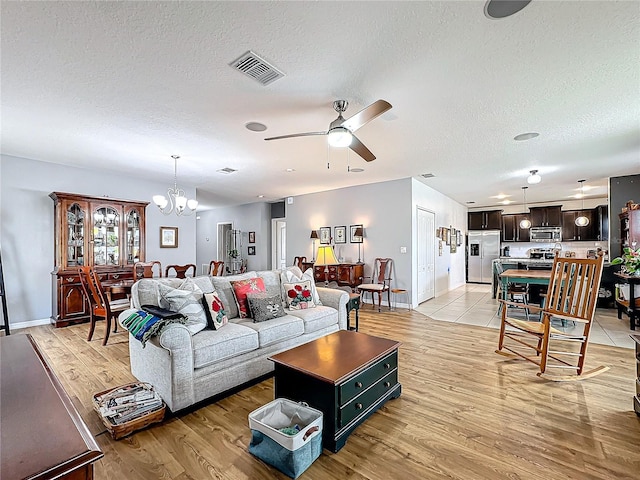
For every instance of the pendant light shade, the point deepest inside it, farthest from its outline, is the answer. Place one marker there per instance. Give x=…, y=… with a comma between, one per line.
x=525, y=223
x=582, y=221
x=533, y=178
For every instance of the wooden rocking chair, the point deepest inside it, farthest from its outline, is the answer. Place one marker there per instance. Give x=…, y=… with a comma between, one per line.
x=571, y=295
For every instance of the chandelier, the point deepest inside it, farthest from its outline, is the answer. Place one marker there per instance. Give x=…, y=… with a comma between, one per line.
x=176, y=200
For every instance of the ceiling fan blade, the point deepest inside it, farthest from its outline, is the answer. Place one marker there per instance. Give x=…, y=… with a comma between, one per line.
x=358, y=147
x=307, y=134
x=367, y=114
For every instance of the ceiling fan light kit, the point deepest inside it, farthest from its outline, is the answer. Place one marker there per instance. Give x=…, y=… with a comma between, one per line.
x=340, y=131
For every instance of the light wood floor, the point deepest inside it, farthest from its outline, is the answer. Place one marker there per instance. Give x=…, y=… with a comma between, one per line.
x=465, y=413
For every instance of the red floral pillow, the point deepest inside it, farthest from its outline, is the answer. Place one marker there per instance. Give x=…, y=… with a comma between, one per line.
x=213, y=309
x=240, y=290
x=299, y=295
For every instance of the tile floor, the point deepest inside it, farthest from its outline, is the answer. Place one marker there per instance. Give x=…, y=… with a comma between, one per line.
x=472, y=304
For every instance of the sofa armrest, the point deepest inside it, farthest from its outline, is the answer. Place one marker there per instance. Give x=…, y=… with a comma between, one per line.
x=335, y=298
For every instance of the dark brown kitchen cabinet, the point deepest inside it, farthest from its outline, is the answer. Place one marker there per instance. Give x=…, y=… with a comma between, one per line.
x=485, y=220
x=602, y=222
x=573, y=232
x=546, y=216
x=511, y=230
x=105, y=233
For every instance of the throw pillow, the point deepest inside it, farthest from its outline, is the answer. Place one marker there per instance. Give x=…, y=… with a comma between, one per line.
x=299, y=295
x=240, y=290
x=290, y=275
x=224, y=290
x=185, y=302
x=213, y=309
x=264, y=306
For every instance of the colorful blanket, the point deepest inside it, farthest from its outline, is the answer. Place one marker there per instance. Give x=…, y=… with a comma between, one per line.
x=143, y=325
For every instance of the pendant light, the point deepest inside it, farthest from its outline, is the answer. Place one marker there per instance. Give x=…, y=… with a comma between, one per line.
x=533, y=178
x=525, y=223
x=582, y=221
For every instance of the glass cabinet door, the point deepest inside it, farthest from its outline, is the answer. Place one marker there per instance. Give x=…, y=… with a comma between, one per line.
x=75, y=235
x=106, y=236
x=133, y=236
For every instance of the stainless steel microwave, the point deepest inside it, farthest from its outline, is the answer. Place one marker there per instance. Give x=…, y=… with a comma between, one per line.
x=545, y=234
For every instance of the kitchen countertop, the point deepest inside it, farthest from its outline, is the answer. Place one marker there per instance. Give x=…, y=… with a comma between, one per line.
x=523, y=260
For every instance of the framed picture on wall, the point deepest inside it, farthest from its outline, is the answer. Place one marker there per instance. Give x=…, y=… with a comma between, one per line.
x=454, y=241
x=168, y=237
x=325, y=235
x=251, y=250
x=459, y=237
x=340, y=234
x=252, y=237
x=447, y=236
x=353, y=238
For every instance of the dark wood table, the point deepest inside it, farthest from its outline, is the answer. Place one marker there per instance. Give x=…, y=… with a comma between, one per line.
x=347, y=375
x=42, y=435
x=353, y=304
x=631, y=305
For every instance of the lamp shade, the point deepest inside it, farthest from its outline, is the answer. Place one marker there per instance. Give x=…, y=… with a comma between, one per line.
x=314, y=235
x=326, y=256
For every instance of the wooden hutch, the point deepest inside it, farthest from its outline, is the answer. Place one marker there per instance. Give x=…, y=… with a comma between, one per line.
x=105, y=233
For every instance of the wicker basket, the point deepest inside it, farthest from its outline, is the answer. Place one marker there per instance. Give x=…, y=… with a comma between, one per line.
x=127, y=428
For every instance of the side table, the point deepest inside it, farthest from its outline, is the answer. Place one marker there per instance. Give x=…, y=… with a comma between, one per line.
x=631, y=305
x=353, y=304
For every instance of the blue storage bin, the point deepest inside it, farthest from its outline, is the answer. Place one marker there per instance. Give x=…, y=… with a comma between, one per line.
x=291, y=454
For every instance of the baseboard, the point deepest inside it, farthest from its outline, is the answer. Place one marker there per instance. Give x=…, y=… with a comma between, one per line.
x=31, y=323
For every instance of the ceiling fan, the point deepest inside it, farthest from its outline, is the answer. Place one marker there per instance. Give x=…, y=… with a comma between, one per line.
x=340, y=132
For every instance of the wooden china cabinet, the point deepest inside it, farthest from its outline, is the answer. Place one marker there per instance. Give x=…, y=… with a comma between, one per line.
x=105, y=233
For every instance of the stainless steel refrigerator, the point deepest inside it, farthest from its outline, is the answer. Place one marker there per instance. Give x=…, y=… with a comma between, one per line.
x=484, y=247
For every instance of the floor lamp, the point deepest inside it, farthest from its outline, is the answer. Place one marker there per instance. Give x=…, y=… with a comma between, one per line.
x=313, y=237
x=326, y=257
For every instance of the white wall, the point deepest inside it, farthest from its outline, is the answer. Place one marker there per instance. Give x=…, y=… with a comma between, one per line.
x=252, y=217
x=450, y=267
x=27, y=230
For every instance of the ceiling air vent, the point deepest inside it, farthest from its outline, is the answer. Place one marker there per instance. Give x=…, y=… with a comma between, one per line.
x=257, y=68
x=226, y=170
x=427, y=175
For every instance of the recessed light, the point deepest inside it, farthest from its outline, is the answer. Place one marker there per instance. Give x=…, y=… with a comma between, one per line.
x=500, y=196
x=356, y=170
x=290, y=170
x=260, y=196
x=256, y=126
x=506, y=202
x=526, y=136
x=498, y=9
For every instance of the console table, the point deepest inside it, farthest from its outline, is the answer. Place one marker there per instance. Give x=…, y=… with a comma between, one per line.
x=43, y=436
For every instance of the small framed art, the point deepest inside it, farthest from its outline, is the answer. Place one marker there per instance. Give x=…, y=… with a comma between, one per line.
x=252, y=237
x=251, y=250
x=340, y=234
x=168, y=237
x=325, y=235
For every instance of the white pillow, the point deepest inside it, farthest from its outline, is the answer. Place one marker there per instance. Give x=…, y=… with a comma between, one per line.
x=289, y=276
x=186, y=302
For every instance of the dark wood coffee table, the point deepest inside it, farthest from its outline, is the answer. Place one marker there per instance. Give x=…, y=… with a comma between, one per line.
x=347, y=375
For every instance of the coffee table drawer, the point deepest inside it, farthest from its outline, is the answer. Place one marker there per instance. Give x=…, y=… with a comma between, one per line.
x=359, y=383
x=362, y=402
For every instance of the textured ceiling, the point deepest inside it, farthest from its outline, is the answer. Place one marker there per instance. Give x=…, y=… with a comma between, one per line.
x=124, y=85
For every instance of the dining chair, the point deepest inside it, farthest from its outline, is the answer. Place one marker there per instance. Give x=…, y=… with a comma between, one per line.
x=299, y=262
x=180, y=271
x=216, y=268
x=99, y=303
x=571, y=295
x=380, y=281
x=518, y=293
x=146, y=270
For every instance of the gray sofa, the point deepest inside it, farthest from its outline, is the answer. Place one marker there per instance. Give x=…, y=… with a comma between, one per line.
x=186, y=369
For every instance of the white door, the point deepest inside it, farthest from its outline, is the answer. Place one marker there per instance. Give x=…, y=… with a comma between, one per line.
x=279, y=242
x=425, y=254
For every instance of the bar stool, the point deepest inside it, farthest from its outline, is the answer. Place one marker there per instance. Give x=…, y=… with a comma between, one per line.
x=404, y=293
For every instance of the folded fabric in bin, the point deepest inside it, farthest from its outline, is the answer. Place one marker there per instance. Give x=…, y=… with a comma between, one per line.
x=291, y=454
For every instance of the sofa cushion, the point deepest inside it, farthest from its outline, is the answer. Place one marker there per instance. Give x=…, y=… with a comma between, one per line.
x=316, y=318
x=294, y=274
x=299, y=295
x=213, y=346
x=241, y=288
x=146, y=289
x=275, y=330
x=214, y=311
x=263, y=306
x=224, y=290
x=188, y=303
x=203, y=283
x=272, y=280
